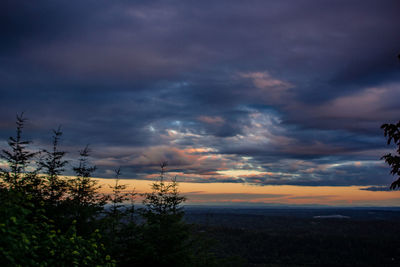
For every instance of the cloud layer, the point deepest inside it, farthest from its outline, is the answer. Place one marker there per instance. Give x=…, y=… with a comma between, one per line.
x=268, y=92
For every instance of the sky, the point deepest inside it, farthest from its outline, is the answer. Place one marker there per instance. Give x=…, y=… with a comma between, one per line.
x=250, y=195
x=289, y=93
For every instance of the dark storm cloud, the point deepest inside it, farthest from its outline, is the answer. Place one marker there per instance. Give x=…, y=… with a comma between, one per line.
x=313, y=175
x=284, y=87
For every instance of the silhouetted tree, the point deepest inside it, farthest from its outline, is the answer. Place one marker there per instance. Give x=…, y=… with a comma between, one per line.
x=392, y=133
x=53, y=165
x=117, y=210
x=46, y=220
x=165, y=199
x=119, y=224
x=18, y=159
x=28, y=236
x=166, y=237
x=117, y=198
x=84, y=200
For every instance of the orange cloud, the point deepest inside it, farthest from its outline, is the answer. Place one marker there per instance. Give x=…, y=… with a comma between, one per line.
x=211, y=120
x=270, y=88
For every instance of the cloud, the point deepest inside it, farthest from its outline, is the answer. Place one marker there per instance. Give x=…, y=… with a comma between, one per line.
x=211, y=120
x=376, y=188
x=358, y=111
x=270, y=89
x=232, y=197
x=293, y=91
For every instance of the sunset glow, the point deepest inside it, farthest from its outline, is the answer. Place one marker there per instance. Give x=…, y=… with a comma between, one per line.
x=246, y=194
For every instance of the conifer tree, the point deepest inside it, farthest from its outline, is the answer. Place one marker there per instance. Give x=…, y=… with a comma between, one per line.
x=119, y=223
x=165, y=199
x=117, y=211
x=18, y=158
x=84, y=199
x=28, y=236
x=53, y=165
x=166, y=236
x=118, y=196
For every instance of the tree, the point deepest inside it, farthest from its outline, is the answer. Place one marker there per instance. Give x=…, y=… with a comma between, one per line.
x=164, y=200
x=117, y=198
x=119, y=225
x=165, y=236
x=392, y=133
x=117, y=211
x=49, y=221
x=53, y=165
x=28, y=236
x=84, y=200
x=18, y=159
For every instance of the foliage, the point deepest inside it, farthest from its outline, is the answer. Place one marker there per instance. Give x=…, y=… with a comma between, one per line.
x=29, y=238
x=84, y=203
x=48, y=220
x=18, y=159
x=164, y=200
x=119, y=224
x=392, y=133
x=165, y=237
x=83, y=189
x=118, y=196
x=53, y=165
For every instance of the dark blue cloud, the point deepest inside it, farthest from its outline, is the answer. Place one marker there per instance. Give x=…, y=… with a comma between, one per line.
x=298, y=89
x=377, y=188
